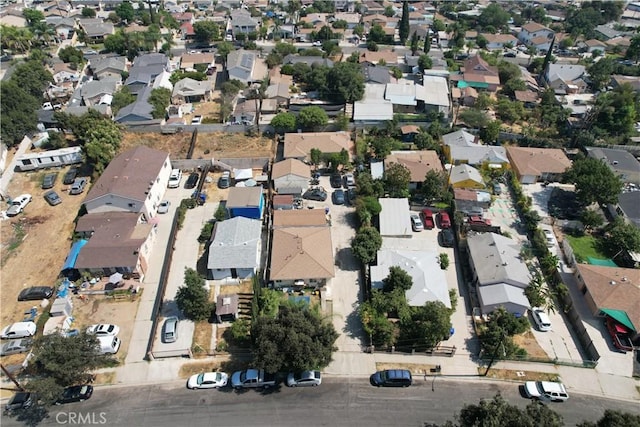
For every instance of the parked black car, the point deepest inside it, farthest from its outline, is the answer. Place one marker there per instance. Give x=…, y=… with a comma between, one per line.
x=338, y=197
x=77, y=393
x=446, y=238
x=21, y=400
x=317, y=194
x=52, y=198
x=336, y=180
x=392, y=378
x=49, y=180
x=70, y=176
x=192, y=181
x=35, y=293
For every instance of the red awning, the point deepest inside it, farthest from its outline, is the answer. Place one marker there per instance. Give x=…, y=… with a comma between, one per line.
x=619, y=328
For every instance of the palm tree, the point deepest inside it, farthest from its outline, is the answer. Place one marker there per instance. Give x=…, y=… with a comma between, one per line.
x=153, y=36
x=168, y=42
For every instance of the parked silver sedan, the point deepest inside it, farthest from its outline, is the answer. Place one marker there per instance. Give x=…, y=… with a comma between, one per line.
x=304, y=379
x=16, y=346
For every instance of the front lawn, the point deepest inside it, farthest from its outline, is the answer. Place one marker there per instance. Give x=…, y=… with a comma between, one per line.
x=585, y=246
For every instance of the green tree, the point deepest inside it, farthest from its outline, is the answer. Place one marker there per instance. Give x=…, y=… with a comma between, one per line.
x=614, y=418
x=425, y=63
x=88, y=12
x=312, y=118
x=125, y=11
x=509, y=111
x=434, y=185
x=425, y=326
x=511, y=86
x=403, y=25
x=424, y=141
x=633, y=51
x=206, y=31
x=383, y=145
x=481, y=41
x=365, y=244
x=367, y=186
x=622, y=237
x=344, y=83
x=192, y=298
x=414, y=44
x=396, y=180
x=591, y=219
x=297, y=339
x=178, y=75
x=493, y=16
x=116, y=43
x=600, y=73
x=616, y=111
x=224, y=48
x=18, y=110
x=102, y=142
x=427, y=44
x=397, y=279
x=377, y=34
x=491, y=132
x=594, y=181
x=474, y=118
x=121, y=98
x=33, y=16
x=32, y=77
x=498, y=412
x=71, y=55
x=376, y=324
x=284, y=122
x=160, y=99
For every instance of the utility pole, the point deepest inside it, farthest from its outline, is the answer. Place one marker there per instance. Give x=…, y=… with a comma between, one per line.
x=11, y=377
x=495, y=354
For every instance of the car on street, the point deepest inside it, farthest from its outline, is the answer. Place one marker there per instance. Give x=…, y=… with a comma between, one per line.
x=338, y=197
x=392, y=378
x=16, y=346
x=76, y=393
x=52, y=198
x=549, y=237
x=174, y=178
x=78, y=186
x=427, y=219
x=18, y=204
x=304, y=379
x=335, y=180
x=541, y=318
x=416, y=223
x=18, y=330
x=70, y=176
x=444, y=220
x=103, y=330
x=509, y=55
x=207, y=380
x=35, y=293
x=225, y=180
x=192, y=180
x=316, y=43
x=546, y=391
x=196, y=120
x=446, y=238
x=49, y=180
x=318, y=194
x=349, y=180
x=20, y=400
x=163, y=207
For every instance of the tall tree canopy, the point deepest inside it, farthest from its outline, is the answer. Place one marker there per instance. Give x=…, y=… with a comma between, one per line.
x=403, y=25
x=344, y=83
x=595, y=182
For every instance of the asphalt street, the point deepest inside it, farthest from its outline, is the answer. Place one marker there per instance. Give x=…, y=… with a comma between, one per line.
x=337, y=402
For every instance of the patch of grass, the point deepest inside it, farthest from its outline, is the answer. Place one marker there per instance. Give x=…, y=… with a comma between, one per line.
x=105, y=378
x=585, y=246
x=19, y=234
x=508, y=374
x=201, y=338
x=228, y=366
x=414, y=368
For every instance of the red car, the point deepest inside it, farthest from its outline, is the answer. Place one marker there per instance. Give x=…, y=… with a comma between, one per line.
x=476, y=220
x=427, y=219
x=445, y=221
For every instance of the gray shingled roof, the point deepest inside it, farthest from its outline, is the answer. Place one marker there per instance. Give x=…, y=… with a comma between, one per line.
x=235, y=244
x=497, y=260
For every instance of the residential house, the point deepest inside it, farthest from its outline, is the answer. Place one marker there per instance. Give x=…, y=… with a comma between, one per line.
x=94, y=92
x=566, y=78
x=418, y=163
x=134, y=181
x=48, y=159
x=493, y=156
x=243, y=22
x=64, y=73
x=499, y=41
x=627, y=207
x=465, y=96
x=144, y=71
x=184, y=17
x=621, y=162
x=192, y=61
x=140, y=111
x=302, y=249
x=291, y=173
x=118, y=242
x=189, y=90
x=592, y=46
x=352, y=19
x=537, y=164
x=465, y=176
x=429, y=282
x=618, y=80
x=310, y=60
x=537, y=35
x=460, y=138
x=499, y=273
x=247, y=202
x=13, y=18
x=235, y=249
x=620, y=44
x=315, y=18
x=613, y=292
x=372, y=8
x=469, y=201
x=409, y=132
x=607, y=32
x=95, y=30
x=394, y=218
x=477, y=74
x=376, y=74
x=245, y=66
x=245, y=111
x=283, y=201
x=381, y=57
x=110, y=67
x=402, y=96
x=436, y=95
x=528, y=98
x=299, y=145
x=372, y=108
x=278, y=92
x=227, y=308
x=65, y=27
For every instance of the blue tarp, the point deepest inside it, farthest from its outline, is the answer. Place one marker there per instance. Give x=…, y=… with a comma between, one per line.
x=70, y=262
x=63, y=289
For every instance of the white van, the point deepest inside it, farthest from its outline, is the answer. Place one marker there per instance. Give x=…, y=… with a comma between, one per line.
x=109, y=345
x=546, y=390
x=18, y=330
x=174, y=178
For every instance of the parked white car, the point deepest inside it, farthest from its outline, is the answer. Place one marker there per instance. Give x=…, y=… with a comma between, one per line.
x=163, y=207
x=18, y=330
x=546, y=391
x=18, y=204
x=208, y=380
x=304, y=379
x=103, y=330
x=551, y=239
x=174, y=178
x=541, y=318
